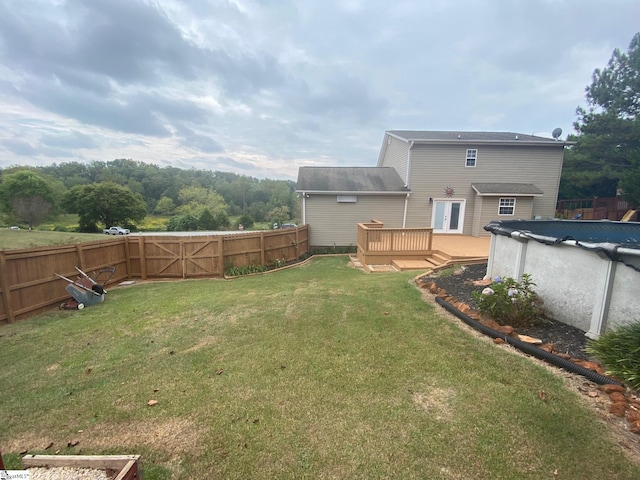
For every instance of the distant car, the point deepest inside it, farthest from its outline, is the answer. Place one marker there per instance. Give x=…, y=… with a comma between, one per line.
x=116, y=231
x=14, y=227
x=288, y=225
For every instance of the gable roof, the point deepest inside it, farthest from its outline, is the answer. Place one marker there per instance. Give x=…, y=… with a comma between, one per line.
x=515, y=189
x=421, y=136
x=378, y=180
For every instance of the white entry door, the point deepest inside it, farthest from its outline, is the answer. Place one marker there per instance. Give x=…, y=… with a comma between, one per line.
x=447, y=216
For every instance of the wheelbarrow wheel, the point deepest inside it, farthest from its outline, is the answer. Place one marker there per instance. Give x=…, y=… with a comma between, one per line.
x=80, y=306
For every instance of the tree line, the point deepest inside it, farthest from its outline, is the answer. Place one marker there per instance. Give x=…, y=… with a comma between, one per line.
x=124, y=192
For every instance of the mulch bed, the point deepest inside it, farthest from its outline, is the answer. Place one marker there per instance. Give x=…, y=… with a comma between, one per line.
x=565, y=338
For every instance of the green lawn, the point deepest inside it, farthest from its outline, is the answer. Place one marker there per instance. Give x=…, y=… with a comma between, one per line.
x=319, y=371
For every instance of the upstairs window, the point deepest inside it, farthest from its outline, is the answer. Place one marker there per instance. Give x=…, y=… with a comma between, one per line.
x=347, y=198
x=507, y=206
x=472, y=156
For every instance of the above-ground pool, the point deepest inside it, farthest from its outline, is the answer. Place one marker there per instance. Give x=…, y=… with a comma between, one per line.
x=587, y=272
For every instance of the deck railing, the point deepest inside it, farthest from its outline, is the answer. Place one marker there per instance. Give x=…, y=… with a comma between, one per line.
x=379, y=244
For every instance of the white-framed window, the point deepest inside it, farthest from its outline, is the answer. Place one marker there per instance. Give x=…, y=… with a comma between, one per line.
x=347, y=199
x=507, y=206
x=472, y=156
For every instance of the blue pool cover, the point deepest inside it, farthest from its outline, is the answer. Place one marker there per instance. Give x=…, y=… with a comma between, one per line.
x=623, y=234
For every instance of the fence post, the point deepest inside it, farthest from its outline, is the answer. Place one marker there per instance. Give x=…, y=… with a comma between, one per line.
x=127, y=255
x=183, y=260
x=261, y=248
x=143, y=258
x=6, y=293
x=79, y=257
x=221, y=250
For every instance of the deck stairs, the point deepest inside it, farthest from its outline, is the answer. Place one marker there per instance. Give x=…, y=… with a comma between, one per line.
x=435, y=261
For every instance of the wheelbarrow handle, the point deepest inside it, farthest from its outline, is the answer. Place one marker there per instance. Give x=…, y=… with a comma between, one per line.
x=79, y=285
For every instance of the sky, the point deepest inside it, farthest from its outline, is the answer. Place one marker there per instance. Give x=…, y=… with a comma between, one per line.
x=263, y=87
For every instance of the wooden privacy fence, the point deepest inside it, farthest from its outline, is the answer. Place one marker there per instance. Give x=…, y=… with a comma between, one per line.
x=28, y=284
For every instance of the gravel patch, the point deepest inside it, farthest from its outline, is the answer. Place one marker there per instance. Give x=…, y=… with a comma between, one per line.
x=67, y=473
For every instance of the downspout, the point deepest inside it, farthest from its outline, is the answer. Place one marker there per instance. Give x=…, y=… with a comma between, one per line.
x=406, y=184
x=304, y=208
x=404, y=215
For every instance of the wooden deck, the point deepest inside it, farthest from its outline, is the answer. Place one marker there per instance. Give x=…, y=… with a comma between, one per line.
x=446, y=250
x=382, y=249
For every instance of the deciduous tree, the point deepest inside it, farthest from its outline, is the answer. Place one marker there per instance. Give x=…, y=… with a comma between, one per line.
x=27, y=197
x=105, y=203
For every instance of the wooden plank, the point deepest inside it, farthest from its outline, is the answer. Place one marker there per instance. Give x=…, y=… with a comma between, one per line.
x=113, y=462
x=129, y=472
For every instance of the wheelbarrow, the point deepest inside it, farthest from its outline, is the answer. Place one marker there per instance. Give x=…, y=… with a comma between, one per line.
x=85, y=290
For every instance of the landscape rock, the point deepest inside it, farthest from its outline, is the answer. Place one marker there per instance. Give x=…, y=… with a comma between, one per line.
x=617, y=397
x=618, y=409
x=613, y=388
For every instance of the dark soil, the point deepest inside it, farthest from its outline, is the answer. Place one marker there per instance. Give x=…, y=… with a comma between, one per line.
x=565, y=338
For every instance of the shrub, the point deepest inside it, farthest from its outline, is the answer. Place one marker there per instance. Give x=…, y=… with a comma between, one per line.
x=619, y=352
x=182, y=223
x=510, y=302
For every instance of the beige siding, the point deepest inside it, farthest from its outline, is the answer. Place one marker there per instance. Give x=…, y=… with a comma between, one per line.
x=434, y=167
x=396, y=156
x=487, y=210
x=332, y=223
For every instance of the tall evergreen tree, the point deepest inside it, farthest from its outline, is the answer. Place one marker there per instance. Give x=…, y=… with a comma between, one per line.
x=607, y=151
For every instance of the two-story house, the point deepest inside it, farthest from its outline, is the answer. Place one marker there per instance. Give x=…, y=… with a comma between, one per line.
x=454, y=182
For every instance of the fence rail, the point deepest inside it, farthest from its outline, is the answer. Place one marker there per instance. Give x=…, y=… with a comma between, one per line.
x=28, y=284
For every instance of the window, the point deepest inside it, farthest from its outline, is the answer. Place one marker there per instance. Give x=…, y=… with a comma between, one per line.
x=507, y=206
x=347, y=199
x=472, y=156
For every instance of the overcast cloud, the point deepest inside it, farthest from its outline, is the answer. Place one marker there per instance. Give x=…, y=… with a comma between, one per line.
x=263, y=87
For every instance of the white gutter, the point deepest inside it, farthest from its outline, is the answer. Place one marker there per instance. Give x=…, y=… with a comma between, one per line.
x=406, y=177
x=406, y=184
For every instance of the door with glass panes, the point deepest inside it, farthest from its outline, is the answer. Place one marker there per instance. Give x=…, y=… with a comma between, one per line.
x=447, y=216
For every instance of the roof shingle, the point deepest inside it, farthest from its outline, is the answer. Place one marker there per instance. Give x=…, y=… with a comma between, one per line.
x=350, y=179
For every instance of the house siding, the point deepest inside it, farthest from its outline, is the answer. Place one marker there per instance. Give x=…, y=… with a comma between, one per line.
x=486, y=210
x=334, y=223
x=396, y=156
x=434, y=167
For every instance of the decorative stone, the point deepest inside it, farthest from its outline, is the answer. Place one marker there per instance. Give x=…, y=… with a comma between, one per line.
x=491, y=323
x=618, y=409
x=505, y=329
x=634, y=427
x=613, y=388
x=547, y=347
x=617, y=397
x=528, y=339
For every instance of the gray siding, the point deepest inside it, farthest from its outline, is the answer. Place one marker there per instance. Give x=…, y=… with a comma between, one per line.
x=434, y=167
x=396, y=155
x=334, y=223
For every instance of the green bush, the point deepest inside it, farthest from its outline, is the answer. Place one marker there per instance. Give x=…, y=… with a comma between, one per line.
x=182, y=223
x=619, y=352
x=510, y=302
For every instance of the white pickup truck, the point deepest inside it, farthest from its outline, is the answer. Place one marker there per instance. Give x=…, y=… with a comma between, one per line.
x=116, y=231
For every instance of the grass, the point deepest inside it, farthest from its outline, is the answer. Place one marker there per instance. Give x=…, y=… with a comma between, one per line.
x=13, y=239
x=319, y=371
